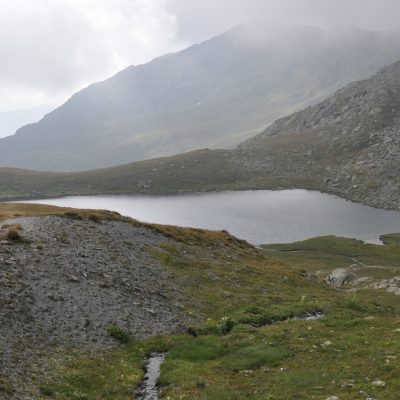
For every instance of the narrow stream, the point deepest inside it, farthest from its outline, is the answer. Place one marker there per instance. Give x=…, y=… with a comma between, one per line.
x=148, y=390
x=311, y=317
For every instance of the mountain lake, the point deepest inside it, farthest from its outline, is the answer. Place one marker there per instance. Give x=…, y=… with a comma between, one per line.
x=257, y=216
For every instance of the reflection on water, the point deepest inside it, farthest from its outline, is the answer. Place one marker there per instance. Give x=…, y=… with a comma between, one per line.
x=256, y=216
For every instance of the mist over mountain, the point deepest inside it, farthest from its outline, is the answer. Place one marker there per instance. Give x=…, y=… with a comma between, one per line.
x=215, y=94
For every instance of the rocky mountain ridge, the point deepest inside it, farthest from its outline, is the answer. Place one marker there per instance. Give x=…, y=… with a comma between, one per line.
x=350, y=142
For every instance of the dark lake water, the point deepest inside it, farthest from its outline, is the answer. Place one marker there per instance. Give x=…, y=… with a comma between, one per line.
x=256, y=216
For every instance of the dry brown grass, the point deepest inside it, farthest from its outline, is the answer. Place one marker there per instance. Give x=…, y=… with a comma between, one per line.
x=17, y=227
x=13, y=235
x=189, y=236
x=15, y=210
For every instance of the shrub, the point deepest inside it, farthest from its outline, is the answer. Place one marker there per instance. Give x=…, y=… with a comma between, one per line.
x=13, y=235
x=94, y=218
x=119, y=334
x=222, y=327
x=46, y=390
x=72, y=215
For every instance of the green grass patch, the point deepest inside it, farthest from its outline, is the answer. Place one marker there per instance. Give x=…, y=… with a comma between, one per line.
x=253, y=357
x=119, y=334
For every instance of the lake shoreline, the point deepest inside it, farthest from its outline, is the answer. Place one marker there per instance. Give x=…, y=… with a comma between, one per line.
x=258, y=216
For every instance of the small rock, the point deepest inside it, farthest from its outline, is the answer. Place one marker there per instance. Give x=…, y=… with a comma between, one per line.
x=73, y=278
x=379, y=384
x=347, y=385
x=332, y=398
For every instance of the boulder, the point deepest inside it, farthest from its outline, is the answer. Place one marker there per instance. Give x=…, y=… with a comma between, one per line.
x=339, y=277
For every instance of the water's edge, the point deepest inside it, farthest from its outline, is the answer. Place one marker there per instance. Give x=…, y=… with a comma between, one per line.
x=258, y=217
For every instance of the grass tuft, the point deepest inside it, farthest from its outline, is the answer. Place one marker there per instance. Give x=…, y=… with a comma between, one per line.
x=254, y=357
x=13, y=235
x=119, y=334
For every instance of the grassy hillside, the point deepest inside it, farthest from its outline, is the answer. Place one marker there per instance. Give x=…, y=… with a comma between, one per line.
x=200, y=170
x=245, y=341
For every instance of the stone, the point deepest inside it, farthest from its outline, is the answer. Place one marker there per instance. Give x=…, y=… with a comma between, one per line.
x=379, y=384
x=339, y=277
x=73, y=278
x=347, y=385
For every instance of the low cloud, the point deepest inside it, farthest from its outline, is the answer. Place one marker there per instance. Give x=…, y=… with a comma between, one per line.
x=50, y=48
x=199, y=19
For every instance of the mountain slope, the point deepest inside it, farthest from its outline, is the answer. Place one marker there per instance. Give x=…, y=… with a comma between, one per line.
x=348, y=145
x=10, y=121
x=86, y=296
x=215, y=94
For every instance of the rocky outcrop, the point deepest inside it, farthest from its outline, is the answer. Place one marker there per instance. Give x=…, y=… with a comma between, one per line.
x=349, y=144
x=339, y=277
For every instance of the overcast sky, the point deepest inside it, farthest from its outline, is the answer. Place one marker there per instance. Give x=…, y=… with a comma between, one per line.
x=51, y=48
